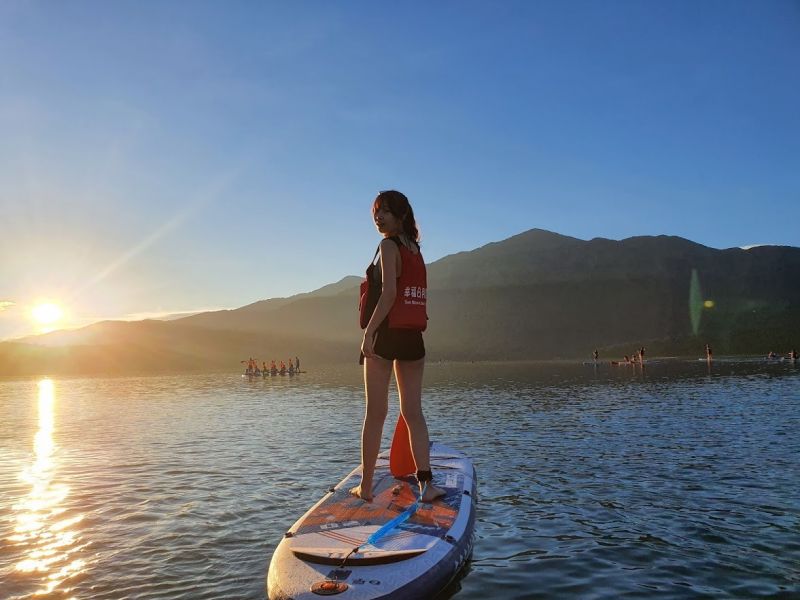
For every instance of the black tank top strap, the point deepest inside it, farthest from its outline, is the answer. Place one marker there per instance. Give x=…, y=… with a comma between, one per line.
x=374, y=269
x=374, y=256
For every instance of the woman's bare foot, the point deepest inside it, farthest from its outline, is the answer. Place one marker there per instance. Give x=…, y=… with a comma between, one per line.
x=432, y=492
x=363, y=494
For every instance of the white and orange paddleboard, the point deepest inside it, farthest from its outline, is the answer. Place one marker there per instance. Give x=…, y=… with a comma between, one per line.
x=415, y=560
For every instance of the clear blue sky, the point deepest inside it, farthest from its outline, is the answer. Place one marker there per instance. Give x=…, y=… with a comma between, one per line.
x=171, y=156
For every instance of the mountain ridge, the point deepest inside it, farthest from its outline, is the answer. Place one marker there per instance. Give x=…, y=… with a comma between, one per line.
x=535, y=295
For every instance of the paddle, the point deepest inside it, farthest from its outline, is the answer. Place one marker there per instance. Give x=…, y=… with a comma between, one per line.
x=401, y=458
x=396, y=522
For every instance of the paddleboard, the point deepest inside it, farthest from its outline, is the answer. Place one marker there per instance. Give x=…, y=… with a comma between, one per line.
x=264, y=375
x=415, y=560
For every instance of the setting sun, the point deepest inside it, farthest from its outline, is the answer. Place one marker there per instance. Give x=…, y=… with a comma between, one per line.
x=47, y=313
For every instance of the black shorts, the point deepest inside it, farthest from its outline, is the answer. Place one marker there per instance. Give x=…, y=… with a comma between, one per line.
x=398, y=344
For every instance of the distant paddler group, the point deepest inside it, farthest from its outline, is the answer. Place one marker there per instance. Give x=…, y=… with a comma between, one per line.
x=790, y=356
x=635, y=358
x=274, y=368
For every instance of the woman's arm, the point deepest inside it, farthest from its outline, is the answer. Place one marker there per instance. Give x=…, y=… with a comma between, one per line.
x=390, y=256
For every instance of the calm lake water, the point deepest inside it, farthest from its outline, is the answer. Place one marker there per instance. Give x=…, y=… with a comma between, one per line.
x=676, y=481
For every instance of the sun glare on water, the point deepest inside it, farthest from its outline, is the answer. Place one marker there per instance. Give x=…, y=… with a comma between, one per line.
x=46, y=535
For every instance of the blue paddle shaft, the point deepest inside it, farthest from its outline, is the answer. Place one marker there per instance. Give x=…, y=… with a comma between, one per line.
x=398, y=520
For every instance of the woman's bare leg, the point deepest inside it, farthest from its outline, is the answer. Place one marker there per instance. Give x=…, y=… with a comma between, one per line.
x=408, y=374
x=377, y=372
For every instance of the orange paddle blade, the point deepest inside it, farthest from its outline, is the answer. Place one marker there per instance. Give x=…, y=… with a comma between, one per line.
x=401, y=458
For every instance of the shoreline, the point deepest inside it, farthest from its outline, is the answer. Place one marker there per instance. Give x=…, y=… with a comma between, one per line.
x=342, y=367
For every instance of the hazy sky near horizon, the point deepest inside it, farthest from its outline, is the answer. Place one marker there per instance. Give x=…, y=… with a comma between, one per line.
x=179, y=156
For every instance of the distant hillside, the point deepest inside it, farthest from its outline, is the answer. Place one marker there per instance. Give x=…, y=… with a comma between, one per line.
x=542, y=295
x=251, y=317
x=120, y=347
x=535, y=295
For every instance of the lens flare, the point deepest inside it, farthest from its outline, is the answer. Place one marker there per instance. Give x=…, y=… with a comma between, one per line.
x=695, y=301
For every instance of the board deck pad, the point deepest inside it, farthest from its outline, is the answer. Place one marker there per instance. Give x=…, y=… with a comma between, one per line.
x=342, y=521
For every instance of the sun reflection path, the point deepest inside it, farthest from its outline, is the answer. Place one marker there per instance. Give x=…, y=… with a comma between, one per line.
x=47, y=539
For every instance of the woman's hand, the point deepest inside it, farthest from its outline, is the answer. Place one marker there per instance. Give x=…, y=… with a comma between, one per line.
x=368, y=343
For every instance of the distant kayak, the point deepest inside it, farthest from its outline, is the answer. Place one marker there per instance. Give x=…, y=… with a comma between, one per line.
x=749, y=359
x=617, y=363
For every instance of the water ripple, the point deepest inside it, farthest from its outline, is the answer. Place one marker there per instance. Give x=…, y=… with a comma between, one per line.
x=673, y=482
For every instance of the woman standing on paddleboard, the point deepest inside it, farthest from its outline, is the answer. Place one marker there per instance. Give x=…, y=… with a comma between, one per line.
x=393, y=339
